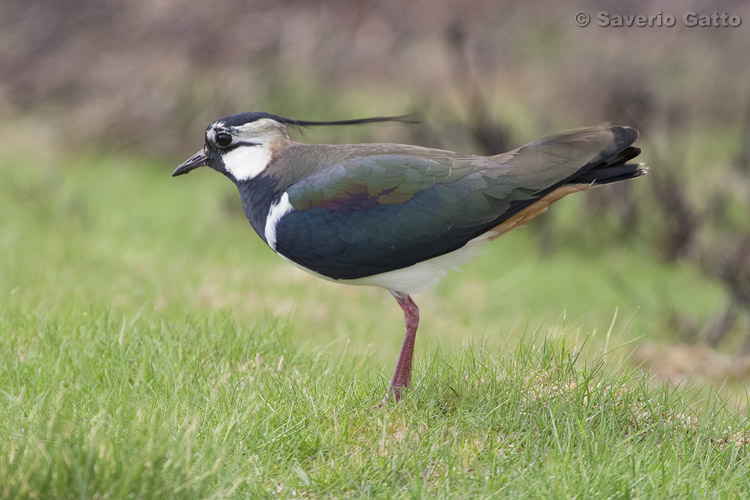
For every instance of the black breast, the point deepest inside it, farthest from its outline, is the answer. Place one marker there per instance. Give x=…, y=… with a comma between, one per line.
x=258, y=195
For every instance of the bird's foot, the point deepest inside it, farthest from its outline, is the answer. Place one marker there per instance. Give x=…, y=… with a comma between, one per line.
x=392, y=396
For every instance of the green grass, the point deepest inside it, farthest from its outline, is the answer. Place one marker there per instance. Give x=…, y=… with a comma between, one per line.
x=206, y=408
x=154, y=348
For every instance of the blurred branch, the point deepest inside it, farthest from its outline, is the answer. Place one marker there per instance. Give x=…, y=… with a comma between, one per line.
x=743, y=158
x=489, y=134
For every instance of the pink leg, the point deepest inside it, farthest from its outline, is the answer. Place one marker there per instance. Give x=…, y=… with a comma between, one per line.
x=402, y=373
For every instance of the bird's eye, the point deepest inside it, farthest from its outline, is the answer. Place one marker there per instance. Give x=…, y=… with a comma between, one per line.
x=223, y=139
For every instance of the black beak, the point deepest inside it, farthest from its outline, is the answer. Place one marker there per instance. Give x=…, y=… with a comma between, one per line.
x=199, y=159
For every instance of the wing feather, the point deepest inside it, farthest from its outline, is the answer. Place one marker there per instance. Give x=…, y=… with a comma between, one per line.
x=381, y=208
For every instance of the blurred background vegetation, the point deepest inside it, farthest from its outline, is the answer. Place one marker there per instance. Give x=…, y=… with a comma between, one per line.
x=100, y=100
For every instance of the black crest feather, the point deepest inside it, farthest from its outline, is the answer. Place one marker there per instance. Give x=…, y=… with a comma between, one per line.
x=243, y=118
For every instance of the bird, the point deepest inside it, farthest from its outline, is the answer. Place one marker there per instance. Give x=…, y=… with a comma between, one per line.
x=398, y=216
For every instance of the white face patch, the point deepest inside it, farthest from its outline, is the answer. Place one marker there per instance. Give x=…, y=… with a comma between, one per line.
x=253, y=146
x=277, y=211
x=246, y=162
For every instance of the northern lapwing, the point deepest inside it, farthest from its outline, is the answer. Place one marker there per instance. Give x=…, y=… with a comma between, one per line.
x=393, y=215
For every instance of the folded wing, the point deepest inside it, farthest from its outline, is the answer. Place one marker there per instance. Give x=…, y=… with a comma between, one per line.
x=389, y=207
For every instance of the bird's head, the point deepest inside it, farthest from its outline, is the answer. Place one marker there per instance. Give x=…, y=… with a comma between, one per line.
x=241, y=146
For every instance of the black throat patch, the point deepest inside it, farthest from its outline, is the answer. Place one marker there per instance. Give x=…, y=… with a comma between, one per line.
x=257, y=196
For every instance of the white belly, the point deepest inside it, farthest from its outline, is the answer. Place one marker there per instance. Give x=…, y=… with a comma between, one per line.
x=420, y=277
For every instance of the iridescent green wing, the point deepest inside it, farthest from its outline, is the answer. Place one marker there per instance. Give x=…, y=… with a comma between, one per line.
x=383, y=210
